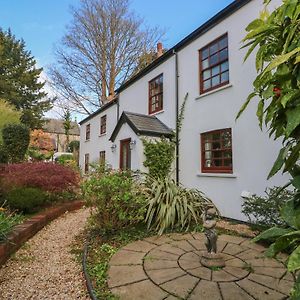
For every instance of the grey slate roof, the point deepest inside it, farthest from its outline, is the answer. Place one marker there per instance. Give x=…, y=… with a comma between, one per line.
x=57, y=126
x=142, y=125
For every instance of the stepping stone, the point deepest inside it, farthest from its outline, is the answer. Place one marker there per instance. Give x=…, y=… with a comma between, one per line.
x=184, y=245
x=156, y=264
x=141, y=290
x=231, y=291
x=280, y=285
x=140, y=246
x=190, y=264
x=201, y=272
x=222, y=276
x=259, y=291
x=231, y=239
x=181, y=286
x=125, y=257
x=170, y=249
x=161, y=276
x=206, y=290
x=121, y=275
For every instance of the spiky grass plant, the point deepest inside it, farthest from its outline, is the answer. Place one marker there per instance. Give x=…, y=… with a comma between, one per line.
x=170, y=205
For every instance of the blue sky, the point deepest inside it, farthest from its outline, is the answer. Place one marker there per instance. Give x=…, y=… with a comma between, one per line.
x=41, y=23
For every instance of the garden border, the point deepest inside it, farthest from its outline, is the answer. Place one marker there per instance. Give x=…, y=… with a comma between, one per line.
x=26, y=230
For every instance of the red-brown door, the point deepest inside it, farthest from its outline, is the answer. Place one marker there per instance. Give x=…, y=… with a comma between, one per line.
x=125, y=158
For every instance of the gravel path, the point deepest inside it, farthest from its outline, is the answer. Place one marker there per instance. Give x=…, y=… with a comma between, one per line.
x=44, y=268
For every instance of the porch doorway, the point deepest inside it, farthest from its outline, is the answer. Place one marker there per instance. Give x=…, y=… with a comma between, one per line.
x=125, y=154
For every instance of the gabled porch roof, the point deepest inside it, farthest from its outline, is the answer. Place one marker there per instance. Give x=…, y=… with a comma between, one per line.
x=142, y=125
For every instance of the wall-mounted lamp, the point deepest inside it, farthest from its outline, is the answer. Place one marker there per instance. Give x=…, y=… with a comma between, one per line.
x=132, y=144
x=113, y=147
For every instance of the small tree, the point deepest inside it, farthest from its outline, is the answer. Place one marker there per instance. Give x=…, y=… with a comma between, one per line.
x=40, y=146
x=67, y=126
x=16, y=140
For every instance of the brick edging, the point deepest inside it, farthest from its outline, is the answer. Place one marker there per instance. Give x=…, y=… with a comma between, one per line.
x=23, y=232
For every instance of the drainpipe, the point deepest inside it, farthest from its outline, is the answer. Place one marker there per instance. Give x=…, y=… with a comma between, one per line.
x=177, y=113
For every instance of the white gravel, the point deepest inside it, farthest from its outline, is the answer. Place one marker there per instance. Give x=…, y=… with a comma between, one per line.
x=44, y=268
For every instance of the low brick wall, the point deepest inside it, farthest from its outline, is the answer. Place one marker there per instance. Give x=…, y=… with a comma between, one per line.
x=30, y=227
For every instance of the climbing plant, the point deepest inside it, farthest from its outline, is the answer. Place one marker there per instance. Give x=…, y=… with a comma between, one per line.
x=159, y=156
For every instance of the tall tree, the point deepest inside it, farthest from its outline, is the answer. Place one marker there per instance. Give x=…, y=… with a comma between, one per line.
x=20, y=83
x=99, y=52
x=67, y=126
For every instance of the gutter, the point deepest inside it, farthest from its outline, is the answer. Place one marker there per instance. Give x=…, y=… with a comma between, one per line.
x=177, y=114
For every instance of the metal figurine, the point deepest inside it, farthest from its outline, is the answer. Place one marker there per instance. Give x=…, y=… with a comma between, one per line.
x=209, y=224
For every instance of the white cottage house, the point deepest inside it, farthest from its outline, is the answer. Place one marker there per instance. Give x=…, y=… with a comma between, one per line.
x=227, y=160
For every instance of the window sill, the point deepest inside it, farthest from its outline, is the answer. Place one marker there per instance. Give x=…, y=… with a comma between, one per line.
x=157, y=113
x=87, y=140
x=220, y=175
x=214, y=91
x=102, y=134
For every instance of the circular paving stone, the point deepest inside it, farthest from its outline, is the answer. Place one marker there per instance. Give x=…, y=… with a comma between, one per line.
x=168, y=267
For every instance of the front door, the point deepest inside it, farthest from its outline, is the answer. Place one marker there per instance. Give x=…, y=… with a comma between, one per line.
x=125, y=158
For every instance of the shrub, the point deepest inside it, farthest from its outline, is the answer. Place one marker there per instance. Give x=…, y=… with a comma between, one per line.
x=16, y=140
x=265, y=211
x=170, y=205
x=27, y=200
x=3, y=155
x=64, y=158
x=7, y=222
x=159, y=156
x=73, y=146
x=49, y=177
x=116, y=199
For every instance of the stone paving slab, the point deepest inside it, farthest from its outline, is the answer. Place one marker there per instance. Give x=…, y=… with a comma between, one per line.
x=168, y=267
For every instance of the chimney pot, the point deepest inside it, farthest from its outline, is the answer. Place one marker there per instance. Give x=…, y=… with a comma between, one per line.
x=159, y=49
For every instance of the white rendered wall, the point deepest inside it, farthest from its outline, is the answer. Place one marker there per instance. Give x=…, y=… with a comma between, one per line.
x=136, y=97
x=98, y=142
x=253, y=152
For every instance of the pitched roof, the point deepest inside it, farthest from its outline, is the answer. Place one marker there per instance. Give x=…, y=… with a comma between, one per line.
x=101, y=109
x=219, y=17
x=142, y=125
x=57, y=126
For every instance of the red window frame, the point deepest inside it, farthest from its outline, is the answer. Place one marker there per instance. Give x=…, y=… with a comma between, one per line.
x=86, y=162
x=220, y=158
x=88, y=132
x=125, y=144
x=102, y=157
x=155, y=94
x=214, y=64
x=103, y=124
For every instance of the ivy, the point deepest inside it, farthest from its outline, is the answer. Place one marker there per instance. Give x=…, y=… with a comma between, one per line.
x=159, y=156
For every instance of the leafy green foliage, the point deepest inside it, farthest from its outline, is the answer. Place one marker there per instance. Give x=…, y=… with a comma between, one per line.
x=73, y=146
x=16, y=140
x=265, y=211
x=27, y=200
x=8, y=115
x=116, y=198
x=170, y=205
x=19, y=80
x=7, y=222
x=3, y=155
x=277, y=86
x=159, y=156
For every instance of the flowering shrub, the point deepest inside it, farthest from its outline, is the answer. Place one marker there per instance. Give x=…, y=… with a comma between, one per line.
x=48, y=177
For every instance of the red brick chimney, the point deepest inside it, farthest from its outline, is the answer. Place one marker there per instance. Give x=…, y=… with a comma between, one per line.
x=159, y=49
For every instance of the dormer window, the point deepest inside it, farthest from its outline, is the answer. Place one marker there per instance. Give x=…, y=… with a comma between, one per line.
x=156, y=94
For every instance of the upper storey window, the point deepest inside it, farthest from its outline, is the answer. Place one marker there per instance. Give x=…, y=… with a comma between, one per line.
x=214, y=67
x=156, y=94
x=87, y=132
x=103, y=124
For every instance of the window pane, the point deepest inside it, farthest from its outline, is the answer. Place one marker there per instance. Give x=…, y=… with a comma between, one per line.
x=215, y=80
x=225, y=77
x=216, y=145
x=216, y=136
x=214, y=59
x=217, y=154
x=223, y=43
x=208, y=154
x=224, y=66
x=206, y=84
x=204, y=53
x=206, y=74
x=215, y=70
x=217, y=162
x=213, y=48
x=227, y=162
x=205, y=64
x=224, y=54
x=227, y=154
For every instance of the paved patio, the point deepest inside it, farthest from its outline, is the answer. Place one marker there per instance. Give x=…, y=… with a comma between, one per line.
x=168, y=267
